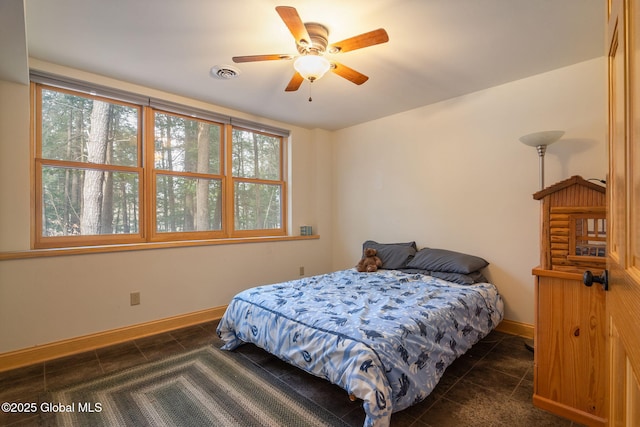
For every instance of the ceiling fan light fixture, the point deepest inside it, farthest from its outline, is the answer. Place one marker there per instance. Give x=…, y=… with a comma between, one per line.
x=312, y=67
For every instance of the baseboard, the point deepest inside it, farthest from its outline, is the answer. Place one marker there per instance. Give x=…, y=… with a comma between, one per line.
x=516, y=328
x=41, y=353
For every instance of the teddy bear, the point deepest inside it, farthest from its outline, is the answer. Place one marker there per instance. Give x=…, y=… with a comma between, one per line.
x=370, y=262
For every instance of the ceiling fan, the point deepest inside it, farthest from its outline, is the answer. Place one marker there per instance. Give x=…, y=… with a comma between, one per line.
x=312, y=43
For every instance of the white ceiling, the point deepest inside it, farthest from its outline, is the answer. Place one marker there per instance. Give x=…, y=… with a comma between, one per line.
x=437, y=49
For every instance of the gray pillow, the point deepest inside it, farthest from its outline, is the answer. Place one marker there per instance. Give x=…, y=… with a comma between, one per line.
x=446, y=261
x=393, y=255
x=462, y=279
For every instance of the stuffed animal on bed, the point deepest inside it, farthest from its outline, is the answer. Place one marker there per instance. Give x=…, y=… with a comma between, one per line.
x=370, y=262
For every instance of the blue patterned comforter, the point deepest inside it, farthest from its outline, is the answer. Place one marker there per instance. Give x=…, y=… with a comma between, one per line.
x=385, y=337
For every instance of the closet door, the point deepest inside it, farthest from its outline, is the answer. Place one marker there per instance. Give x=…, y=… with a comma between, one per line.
x=623, y=219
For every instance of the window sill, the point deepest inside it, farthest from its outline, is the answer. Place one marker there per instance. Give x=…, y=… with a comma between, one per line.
x=38, y=253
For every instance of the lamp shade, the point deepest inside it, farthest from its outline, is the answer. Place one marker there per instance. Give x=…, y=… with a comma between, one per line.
x=311, y=67
x=541, y=138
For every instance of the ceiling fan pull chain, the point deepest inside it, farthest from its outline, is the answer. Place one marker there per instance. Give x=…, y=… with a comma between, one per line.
x=310, y=83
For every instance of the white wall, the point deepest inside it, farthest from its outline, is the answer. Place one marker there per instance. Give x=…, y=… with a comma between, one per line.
x=453, y=175
x=44, y=300
x=450, y=175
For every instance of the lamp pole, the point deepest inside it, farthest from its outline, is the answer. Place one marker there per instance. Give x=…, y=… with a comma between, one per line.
x=541, y=150
x=540, y=140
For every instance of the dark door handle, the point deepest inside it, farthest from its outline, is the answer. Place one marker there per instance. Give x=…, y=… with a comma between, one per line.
x=588, y=279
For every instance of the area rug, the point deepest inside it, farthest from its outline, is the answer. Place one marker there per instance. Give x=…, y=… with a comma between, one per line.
x=204, y=387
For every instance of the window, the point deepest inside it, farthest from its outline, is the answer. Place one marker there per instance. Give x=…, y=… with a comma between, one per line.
x=588, y=235
x=187, y=178
x=257, y=181
x=112, y=172
x=88, y=169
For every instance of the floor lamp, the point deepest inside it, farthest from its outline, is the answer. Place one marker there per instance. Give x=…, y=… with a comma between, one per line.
x=540, y=140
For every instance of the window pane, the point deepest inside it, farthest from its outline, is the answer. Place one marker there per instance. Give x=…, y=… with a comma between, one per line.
x=79, y=129
x=255, y=155
x=257, y=206
x=188, y=204
x=89, y=202
x=185, y=145
x=591, y=236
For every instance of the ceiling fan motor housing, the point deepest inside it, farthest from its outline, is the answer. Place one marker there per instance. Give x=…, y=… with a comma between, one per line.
x=319, y=35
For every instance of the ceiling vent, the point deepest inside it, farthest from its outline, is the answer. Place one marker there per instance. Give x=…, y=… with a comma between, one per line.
x=224, y=72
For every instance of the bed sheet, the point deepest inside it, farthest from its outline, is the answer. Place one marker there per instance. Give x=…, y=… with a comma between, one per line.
x=385, y=337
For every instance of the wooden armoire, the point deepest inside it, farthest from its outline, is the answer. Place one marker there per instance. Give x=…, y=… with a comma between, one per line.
x=570, y=360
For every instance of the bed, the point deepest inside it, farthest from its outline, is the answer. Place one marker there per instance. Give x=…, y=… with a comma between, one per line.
x=385, y=337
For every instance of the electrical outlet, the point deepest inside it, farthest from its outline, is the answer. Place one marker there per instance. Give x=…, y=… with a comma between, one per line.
x=302, y=271
x=135, y=298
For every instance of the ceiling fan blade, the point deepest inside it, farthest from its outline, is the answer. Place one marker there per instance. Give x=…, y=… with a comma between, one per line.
x=358, y=42
x=254, y=58
x=349, y=73
x=295, y=82
x=293, y=22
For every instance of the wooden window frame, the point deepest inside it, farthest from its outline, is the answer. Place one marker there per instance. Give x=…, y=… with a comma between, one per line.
x=232, y=180
x=574, y=237
x=145, y=169
x=45, y=242
x=152, y=174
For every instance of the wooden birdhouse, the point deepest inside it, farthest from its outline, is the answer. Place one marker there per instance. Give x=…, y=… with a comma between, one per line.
x=574, y=229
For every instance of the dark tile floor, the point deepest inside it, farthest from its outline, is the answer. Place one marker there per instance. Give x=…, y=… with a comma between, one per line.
x=491, y=385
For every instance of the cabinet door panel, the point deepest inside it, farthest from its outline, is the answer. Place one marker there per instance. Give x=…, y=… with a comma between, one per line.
x=570, y=352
